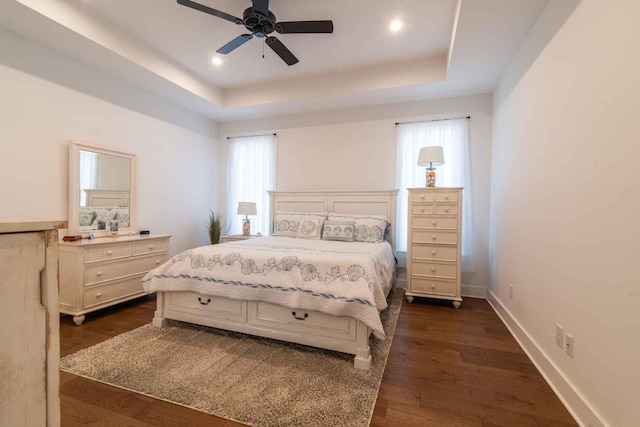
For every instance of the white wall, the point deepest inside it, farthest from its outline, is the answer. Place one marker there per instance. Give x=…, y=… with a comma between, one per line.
x=565, y=208
x=39, y=117
x=356, y=149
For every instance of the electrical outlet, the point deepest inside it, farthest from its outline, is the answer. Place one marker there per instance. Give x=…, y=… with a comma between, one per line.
x=569, y=344
x=511, y=291
x=559, y=335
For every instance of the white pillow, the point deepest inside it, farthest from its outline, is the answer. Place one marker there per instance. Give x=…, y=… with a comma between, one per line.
x=288, y=223
x=310, y=228
x=369, y=228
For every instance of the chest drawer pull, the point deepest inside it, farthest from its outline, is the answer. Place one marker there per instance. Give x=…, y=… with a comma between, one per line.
x=446, y=197
x=422, y=197
x=109, y=252
x=157, y=261
x=433, y=223
x=433, y=286
x=204, y=303
x=433, y=269
x=99, y=294
x=150, y=247
x=433, y=252
x=99, y=273
x=434, y=237
x=446, y=209
x=293, y=313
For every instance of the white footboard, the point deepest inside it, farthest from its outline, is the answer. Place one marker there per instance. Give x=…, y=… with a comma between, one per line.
x=343, y=334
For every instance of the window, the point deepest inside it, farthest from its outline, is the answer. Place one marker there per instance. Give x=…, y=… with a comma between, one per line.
x=250, y=174
x=452, y=135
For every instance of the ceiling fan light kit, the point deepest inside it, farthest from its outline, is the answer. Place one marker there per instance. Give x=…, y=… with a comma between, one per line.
x=261, y=22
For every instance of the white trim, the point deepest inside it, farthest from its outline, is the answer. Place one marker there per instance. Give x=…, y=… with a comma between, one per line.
x=569, y=395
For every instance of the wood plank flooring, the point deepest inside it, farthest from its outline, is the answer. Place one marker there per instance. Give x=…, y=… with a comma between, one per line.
x=446, y=367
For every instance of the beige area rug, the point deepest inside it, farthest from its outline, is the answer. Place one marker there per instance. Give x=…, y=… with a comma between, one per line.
x=256, y=381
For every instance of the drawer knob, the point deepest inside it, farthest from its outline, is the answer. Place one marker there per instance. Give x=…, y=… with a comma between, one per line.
x=446, y=209
x=150, y=246
x=422, y=197
x=99, y=273
x=433, y=252
x=98, y=295
x=200, y=300
x=433, y=286
x=109, y=252
x=433, y=269
x=434, y=237
x=157, y=261
x=293, y=313
x=446, y=197
x=421, y=209
x=434, y=223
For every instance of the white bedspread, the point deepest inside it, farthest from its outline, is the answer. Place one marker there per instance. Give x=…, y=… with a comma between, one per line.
x=338, y=278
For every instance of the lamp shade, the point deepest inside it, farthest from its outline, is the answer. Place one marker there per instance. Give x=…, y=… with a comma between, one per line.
x=431, y=156
x=247, y=208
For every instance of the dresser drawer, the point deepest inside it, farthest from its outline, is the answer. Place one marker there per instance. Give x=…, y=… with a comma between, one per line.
x=312, y=322
x=447, y=196
x=444, y=209
x=422, y=209
x=107, y=252
x=443, y=237
x=422, y=196
x=433, y=287
x=433, y=269
x=435, y=223
x=436, y=253
x=150, y=246
x=114, y=291
x=113, y=270
x=222, y=308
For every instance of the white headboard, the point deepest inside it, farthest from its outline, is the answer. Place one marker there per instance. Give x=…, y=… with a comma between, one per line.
x=370, y=202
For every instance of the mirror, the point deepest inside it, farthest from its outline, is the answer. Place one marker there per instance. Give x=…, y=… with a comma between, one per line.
x=101, y=190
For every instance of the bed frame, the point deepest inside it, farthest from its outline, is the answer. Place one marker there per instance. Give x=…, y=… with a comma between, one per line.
x=343, y=334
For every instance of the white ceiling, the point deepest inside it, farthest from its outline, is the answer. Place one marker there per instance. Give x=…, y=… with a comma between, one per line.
x=445, y=48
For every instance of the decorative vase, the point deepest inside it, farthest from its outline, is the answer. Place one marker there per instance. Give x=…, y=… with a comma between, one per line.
x=431, y=178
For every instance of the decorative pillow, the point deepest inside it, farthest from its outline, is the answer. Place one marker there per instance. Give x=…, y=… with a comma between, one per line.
x=339, y=230
x=86, y=218
x=105, y=215
x=288, y=223
x=310, y=228
x=369, y=228
x=122, y=215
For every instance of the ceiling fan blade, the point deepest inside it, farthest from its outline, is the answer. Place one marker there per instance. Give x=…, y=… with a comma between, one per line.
x=210, y=11
x=281, y=50
x=235, y=43
x=300, y=27
x=261, y=6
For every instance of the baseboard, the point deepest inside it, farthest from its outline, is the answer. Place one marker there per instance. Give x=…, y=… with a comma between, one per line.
x=571, y=398
x=473, y=291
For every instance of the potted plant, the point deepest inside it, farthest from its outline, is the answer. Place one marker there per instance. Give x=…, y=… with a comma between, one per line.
x=215, y=227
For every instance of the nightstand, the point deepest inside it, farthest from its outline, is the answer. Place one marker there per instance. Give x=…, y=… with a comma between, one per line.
x=235, y=237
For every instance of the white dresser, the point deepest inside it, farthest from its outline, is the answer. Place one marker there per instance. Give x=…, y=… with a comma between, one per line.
x=433, y=243
x=29, y=324
x=102, y=272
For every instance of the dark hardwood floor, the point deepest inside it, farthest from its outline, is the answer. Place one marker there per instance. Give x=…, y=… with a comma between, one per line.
x=446, y=367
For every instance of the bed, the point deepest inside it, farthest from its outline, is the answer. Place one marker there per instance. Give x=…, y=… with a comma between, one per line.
x=326, y=294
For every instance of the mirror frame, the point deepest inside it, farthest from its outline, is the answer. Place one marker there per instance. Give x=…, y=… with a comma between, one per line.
x=74, y=190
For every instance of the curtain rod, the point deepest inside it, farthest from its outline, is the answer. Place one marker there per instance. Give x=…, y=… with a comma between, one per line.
x=247, y=136
x=435, y=120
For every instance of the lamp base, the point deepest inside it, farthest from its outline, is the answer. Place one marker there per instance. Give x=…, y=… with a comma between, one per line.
x=431, y=178
x=246, y=227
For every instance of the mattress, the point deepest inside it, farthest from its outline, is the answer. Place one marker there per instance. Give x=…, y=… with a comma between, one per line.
x=338, y=278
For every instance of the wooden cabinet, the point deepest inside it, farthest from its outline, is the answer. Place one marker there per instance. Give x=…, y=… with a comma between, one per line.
x=102, y=272
x=29, y=324
x=434, y=230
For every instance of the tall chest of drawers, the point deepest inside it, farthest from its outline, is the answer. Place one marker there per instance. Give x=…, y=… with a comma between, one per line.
x=99, y=273
x=433, y=243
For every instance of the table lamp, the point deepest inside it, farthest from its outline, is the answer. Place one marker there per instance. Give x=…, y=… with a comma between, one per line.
x=246, y=209
x=430, y=157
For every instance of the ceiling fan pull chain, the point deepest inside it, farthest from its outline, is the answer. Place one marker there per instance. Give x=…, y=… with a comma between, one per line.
x=264, y=41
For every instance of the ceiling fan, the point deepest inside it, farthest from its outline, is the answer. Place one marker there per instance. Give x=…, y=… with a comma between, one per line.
x=261, y=22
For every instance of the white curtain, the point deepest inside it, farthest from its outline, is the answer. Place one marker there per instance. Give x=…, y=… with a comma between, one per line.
x=251, y=172
x=88, y=174
x=453, y=137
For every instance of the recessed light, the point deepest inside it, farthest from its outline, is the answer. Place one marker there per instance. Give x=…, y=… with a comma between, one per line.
x=395, y=26
x=216, y=61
